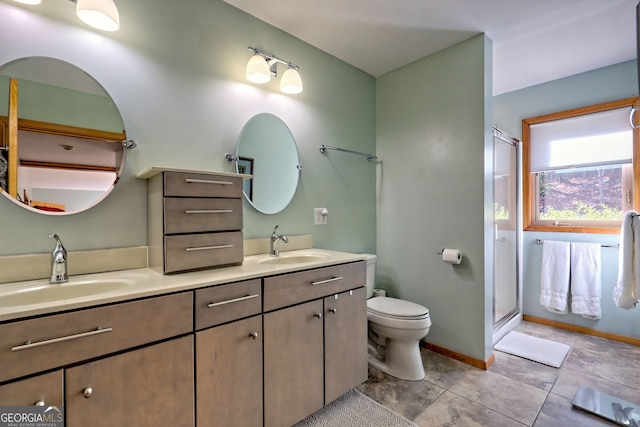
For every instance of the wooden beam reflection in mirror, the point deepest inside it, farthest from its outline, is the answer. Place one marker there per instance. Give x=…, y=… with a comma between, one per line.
x=12, y=172
x=52, y=145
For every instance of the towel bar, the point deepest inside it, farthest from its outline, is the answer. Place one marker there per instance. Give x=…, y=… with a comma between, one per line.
x=540, y=241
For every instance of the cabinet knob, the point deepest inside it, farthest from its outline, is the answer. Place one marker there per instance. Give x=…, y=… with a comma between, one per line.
x=318, y=315
x=87, y=392
x=253, y=335
x=333, y=310
x=39, y=403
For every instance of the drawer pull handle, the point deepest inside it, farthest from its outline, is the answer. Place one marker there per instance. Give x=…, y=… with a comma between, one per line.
x=29, y=344
x=253, y=335
x=322, y=282
x=216, y=304
x=209, y=211
x=318, y=315
x=206, y=248
x=39, y=403
x=207, y=181
x=333, y=310
x=87, y=392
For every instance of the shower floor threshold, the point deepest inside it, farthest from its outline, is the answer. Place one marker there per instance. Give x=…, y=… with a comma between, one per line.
x=609, y=407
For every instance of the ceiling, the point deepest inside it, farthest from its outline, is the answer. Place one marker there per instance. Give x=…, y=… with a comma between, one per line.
x=533, y=41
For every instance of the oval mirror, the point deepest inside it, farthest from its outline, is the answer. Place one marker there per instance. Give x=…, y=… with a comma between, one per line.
x=267, y=150
x=61, y=136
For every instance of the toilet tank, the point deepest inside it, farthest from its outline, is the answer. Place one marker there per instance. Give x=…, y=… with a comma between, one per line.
x=371, y=274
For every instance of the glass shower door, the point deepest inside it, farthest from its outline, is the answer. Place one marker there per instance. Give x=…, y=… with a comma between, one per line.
x=505, y=286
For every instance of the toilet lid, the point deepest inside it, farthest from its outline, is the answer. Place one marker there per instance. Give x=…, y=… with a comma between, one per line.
x=395, y=307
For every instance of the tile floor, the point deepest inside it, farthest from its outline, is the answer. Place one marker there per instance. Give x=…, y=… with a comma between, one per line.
x=514, y=391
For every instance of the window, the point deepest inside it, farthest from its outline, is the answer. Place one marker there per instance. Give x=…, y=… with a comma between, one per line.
x=578, y=172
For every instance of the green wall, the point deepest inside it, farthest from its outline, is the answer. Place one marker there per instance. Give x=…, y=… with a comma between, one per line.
x=177, y=77
x=434, y=188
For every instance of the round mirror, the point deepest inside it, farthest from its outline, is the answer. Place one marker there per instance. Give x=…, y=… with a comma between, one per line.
x=267, y=150
x=61, y=136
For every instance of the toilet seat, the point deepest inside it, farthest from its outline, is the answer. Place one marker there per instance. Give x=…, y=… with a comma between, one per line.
x=394, y=308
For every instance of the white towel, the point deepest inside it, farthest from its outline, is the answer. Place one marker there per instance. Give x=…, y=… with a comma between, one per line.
x=625, y=294
x=586, y=280
x=554, y=284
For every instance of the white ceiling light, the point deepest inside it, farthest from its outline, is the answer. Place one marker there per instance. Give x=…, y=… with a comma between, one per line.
x=262, y=66
x=100, y=14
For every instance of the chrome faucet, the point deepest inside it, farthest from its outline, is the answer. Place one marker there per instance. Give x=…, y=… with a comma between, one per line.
x=274, y=251
x=58, y=262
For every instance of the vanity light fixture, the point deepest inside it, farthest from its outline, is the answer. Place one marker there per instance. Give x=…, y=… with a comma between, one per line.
x=262, y=66
x=100, y=14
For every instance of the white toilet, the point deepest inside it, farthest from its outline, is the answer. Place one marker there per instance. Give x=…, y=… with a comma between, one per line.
x=395, y=330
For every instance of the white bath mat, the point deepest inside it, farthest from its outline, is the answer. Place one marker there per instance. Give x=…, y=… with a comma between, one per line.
x=537, y=349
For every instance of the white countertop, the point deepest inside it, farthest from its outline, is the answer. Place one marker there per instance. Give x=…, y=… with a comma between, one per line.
x=144, y=282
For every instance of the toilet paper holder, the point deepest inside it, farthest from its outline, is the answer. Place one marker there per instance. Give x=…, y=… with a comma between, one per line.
x=441, y=251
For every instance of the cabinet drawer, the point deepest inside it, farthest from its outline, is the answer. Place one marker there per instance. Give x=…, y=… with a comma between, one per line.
x=192, y=215
x=221, y=304
x=67, y=338
x=196, y=251
x=294, y=288
x=184, y=184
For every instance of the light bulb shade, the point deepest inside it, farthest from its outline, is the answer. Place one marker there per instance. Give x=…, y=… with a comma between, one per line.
x=258, y=70
x=29, y=2
x=291, y=81
x=100, y=14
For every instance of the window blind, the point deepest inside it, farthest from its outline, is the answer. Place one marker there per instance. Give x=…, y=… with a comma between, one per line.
x=602, y=138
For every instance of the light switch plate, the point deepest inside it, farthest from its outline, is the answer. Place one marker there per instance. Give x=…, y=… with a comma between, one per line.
x=318, y=217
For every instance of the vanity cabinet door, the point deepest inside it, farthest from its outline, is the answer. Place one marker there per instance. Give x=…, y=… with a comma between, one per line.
x=151, y=386
x=345, y=342
x=293, y=364
x=229, y=374
x=45, y=390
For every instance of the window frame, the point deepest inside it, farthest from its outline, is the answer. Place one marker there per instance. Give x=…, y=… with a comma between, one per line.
x=528, y=181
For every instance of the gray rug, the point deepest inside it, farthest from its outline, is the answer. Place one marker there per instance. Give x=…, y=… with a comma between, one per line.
x=354, y=409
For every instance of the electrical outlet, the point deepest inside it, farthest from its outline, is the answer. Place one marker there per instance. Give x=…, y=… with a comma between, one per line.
x=320, y=216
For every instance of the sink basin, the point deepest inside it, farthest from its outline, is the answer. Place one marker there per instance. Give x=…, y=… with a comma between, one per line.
x=43, y=292
x=294, y=259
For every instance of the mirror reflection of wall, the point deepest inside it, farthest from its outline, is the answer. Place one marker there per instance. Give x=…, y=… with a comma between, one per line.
x=267, y=150
x=61, y=136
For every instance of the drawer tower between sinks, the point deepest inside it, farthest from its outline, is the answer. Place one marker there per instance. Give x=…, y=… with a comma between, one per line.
x=195, y=220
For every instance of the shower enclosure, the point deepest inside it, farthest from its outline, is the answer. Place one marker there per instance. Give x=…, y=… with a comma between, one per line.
x=506, y=285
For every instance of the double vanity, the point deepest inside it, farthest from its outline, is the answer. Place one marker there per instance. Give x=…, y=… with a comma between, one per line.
x=208, y=333
x=264, y=343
